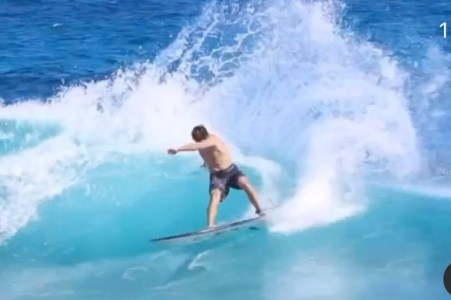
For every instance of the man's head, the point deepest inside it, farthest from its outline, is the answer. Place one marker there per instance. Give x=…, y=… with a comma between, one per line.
x=199, y=133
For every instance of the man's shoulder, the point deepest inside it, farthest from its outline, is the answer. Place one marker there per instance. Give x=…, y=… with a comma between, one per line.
x=214, y=137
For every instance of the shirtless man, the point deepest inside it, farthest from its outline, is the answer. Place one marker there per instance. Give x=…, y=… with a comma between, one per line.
x=224, y=174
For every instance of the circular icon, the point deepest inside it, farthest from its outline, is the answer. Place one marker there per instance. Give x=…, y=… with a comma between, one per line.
x=447, y=279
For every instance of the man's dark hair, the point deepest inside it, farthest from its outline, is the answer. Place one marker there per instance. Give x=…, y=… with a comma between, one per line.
x=199, y=133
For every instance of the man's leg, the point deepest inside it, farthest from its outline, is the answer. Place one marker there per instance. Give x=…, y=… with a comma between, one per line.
x=251, y=192
x=215, y=198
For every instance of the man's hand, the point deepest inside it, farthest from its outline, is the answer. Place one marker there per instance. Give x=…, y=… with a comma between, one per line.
x=260, y=212
x=172, y=151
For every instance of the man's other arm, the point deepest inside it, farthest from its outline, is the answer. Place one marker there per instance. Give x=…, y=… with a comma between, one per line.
x=193, y=146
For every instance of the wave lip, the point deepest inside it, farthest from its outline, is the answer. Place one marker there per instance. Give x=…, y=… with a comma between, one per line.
x=282, y=80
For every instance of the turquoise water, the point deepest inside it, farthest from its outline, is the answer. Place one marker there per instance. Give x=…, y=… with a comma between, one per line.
x=337, y=111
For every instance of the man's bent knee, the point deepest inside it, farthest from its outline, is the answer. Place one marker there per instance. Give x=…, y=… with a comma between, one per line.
x=244, y=183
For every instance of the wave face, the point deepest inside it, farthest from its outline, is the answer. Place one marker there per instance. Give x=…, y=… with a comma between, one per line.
x=330, y=126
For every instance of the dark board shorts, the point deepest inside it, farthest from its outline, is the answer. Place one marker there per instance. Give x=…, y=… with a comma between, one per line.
x=226, y=179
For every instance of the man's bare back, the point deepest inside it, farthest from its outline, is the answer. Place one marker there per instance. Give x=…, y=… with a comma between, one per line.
x=216, y=157
x=224, y=174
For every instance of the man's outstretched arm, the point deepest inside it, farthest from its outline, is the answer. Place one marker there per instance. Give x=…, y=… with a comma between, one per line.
x=192, y=147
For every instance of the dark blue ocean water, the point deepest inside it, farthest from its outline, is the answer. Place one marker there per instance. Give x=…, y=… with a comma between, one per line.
x=102, y=36
x=337, y=110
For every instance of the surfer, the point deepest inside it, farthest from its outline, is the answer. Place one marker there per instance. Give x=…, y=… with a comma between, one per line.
x=224, y=174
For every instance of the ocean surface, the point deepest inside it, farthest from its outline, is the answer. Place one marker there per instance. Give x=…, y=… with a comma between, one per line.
x=338, y=111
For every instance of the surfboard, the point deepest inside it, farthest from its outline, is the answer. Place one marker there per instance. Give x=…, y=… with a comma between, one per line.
x=200, y=235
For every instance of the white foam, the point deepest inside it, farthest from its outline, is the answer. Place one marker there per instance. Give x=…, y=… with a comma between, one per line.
x=32, y=176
